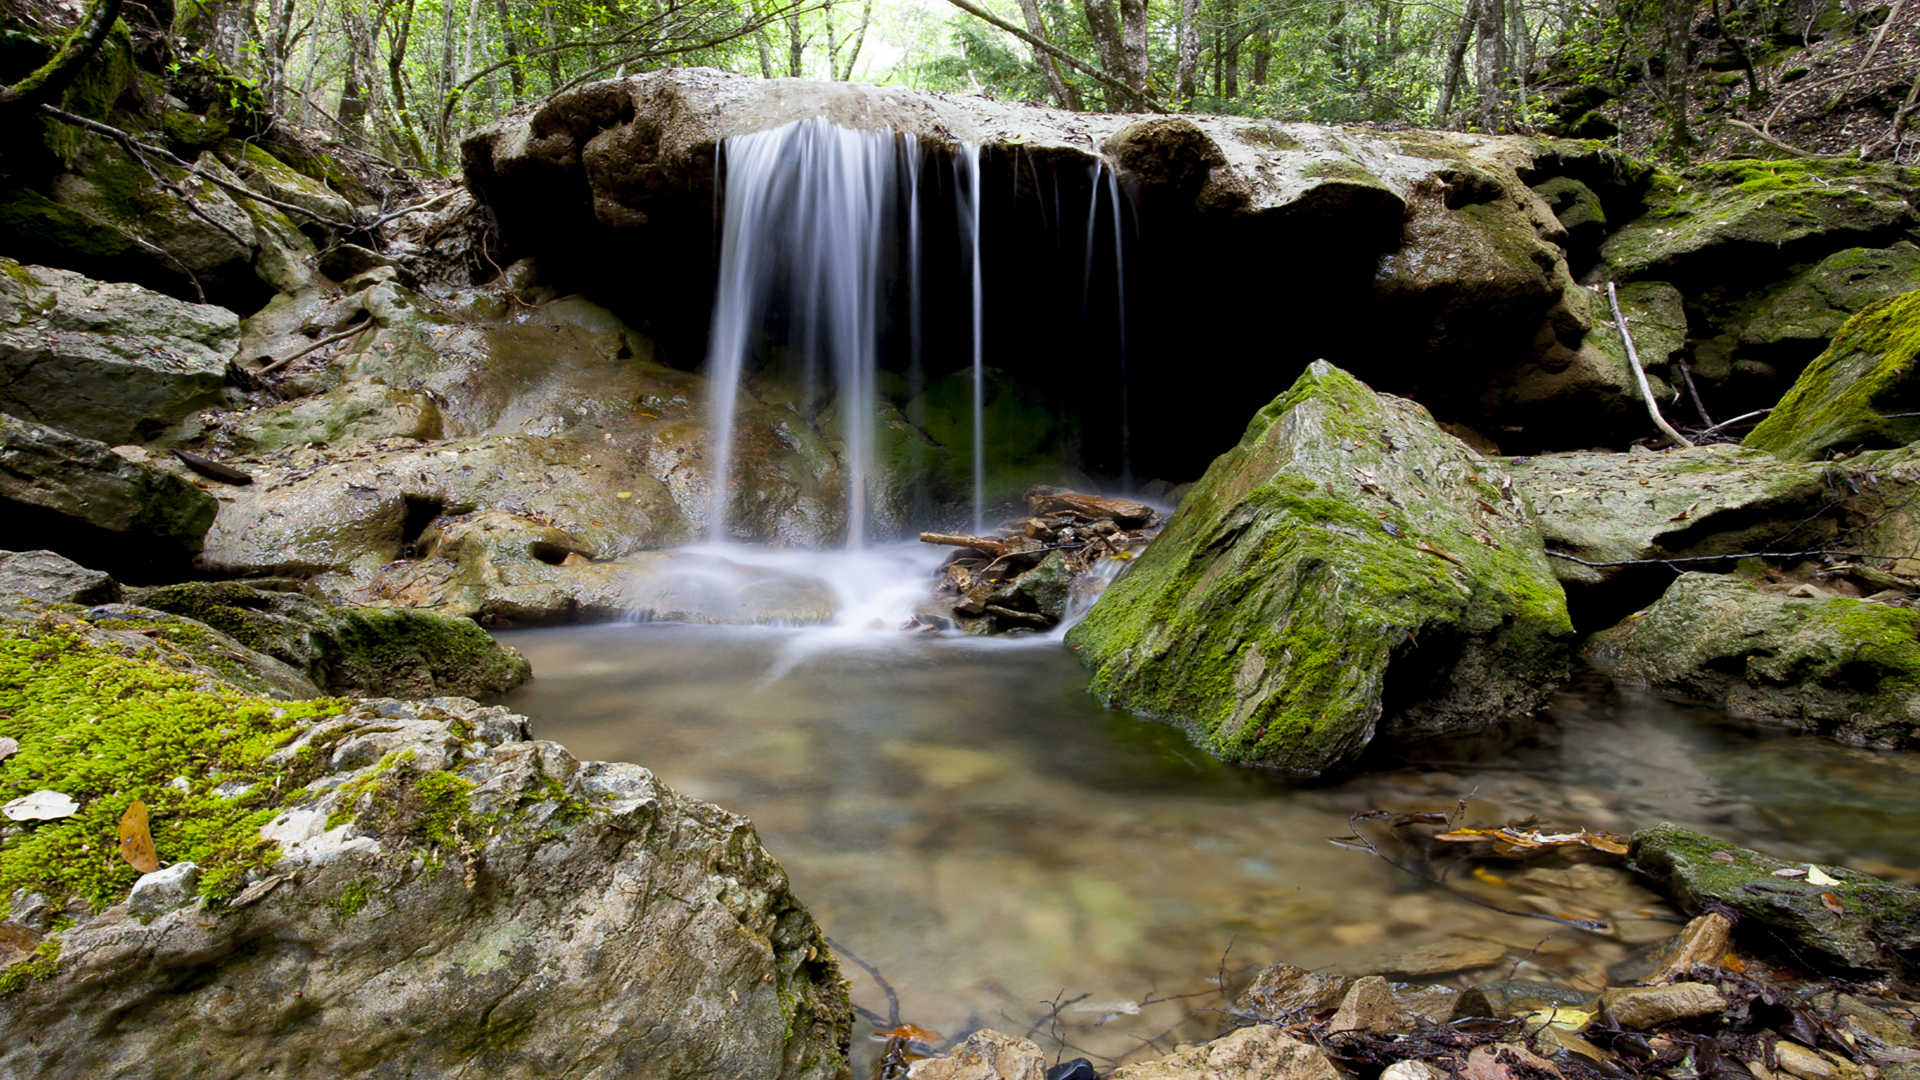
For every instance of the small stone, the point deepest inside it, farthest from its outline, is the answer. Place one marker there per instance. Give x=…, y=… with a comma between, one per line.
x=1262, y=1051
x=1285, y=992
x=46, y=575
x=1367, y=1007
x=1643, y=1008
x=1411, y=1070
x=8, y=748
x=1808, y=1064
x=162, y=891
x=984, y=1055
x=1702, y=941
x=1077, y=1069
x=1444, y=958
x=1505, y=1061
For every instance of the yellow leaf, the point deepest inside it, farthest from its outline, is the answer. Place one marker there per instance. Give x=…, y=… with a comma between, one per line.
x=136, y=843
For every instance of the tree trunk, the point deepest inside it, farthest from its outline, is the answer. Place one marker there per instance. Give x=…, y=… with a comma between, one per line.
x=859, y=39
x=510, y=41
x=1489, y=62
x=1133, y=48
x=1063, y=93
x=1262, y=50
x=796, y=45
x=1103, y=22
x=1187, y=36
x=1230, y=63
x=552, y=57
x=765, y=49
x=1456, y=63
x=1678, y=22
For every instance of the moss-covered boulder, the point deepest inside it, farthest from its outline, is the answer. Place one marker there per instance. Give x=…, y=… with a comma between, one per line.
x=1347, y=567
x=1845, y=920
x=1832, y=665
x=359, y=651
x=106, y=361
x=1795, y=321
x=1731, y=219
x=1860, y=393
x=79, y=498
x=377, y=886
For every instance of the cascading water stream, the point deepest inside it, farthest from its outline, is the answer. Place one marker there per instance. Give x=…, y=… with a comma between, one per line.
x=1112, y=188
x=802, y=227
x=969, y=163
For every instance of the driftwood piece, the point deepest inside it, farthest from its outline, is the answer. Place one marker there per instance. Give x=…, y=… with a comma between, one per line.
x=1640, y=373
x=985, y=544
x=213, y=470
x=1123, y=512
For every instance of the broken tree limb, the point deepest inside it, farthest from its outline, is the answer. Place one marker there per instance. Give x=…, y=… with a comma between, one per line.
x=986, y=545
x=316, y=346
x=1125, y=513
x=1640, y=373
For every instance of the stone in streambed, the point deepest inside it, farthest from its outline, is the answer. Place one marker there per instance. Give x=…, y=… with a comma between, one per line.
x=1347, y=567
x=1260, y=1050
x=1644, y=1008
x=1835, y=665
x=1876, y=929
x=54, y=578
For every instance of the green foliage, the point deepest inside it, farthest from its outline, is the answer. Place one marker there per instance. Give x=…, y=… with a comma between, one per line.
x=107, y=730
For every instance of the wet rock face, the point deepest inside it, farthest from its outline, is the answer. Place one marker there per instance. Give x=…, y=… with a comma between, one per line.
x=1347, y=568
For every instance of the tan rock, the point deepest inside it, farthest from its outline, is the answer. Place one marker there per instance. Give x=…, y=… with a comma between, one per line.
x=1642, y=1008
x=1702, y=941
x=984, y=1055
x=1506, y=1061
x=1367, y=1007
x=1260, y=1052
x=1797, y=1060
x=1287, y=992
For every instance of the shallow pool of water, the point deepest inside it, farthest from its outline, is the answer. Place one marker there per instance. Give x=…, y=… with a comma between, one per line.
x=963, y=817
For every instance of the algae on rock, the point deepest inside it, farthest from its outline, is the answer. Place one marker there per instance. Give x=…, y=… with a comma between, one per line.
x=1858, y=394
x=1346, y=567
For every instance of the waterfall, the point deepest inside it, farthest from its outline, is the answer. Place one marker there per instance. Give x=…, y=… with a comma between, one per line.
x=1112, y=189
x=969, y=163
x=803, y=227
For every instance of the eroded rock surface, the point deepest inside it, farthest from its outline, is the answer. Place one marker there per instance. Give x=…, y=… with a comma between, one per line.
x=1859, y=394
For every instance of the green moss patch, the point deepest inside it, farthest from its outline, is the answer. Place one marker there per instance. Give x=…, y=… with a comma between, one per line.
x=106, y=731
x=1850, y=396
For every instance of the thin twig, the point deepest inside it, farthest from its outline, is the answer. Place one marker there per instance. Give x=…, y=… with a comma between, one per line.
x=1717, y=558
x=1640, y=374
x=1724, y=424
x=321, y=344
x=893, y=999
x=414, y=209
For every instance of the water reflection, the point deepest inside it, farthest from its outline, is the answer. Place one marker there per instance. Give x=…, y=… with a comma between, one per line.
x=965, y=818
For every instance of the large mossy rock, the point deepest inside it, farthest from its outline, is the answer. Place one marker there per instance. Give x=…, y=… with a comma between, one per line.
x=1346, y=567
x=380, y=888
x=112, y=362
x=1834, y=665
x=81, y=499
x=360, y=651
x=1860, y=393
x=1731, y=219
x=1875, y=929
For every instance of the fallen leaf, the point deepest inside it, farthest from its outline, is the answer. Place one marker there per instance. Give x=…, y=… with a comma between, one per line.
x=40, y=806
x=909, y=1032
x=1481, y=873
x=1817, y=876
x=1833, y=903
x=1721, y=856
x=1791, y=872
x=8, y=748
x=1436, y=551
x=254, y=892
x=136, y=842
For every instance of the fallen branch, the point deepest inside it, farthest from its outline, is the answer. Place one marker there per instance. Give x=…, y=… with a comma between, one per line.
x=1640, y=373
x=1786, y=148
x=1724, y=424
x=986, y=545
x=415, y=208
x=321, y=344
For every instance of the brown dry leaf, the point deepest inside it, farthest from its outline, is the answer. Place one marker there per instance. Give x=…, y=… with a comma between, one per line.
x=1833, y=903
x=136, y=843
x=1436, y=551
x=909, y=1032
x=1721, y=856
